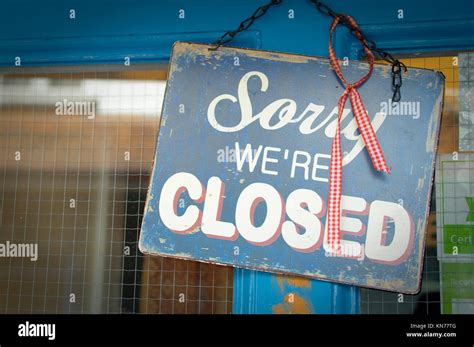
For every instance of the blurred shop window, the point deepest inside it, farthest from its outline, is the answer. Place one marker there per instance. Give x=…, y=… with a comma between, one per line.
x=77, y=149
x=429, y=300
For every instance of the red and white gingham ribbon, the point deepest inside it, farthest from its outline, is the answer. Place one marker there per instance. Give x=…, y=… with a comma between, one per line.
x=365, y=128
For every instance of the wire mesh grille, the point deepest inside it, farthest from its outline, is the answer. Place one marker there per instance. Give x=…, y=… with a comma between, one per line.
x=432, y=297
x=77, y=150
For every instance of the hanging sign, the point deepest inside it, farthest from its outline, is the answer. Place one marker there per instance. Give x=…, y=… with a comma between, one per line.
x=241, y=173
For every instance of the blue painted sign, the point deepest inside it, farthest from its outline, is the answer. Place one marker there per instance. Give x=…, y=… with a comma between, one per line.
x=242, y=159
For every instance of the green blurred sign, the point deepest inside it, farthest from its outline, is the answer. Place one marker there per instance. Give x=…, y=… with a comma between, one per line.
x=458, y=239
x=457, y=288
x=455, y=207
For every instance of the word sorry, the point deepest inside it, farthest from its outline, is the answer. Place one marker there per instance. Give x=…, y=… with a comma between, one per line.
x=309, y=119
x=304, y=209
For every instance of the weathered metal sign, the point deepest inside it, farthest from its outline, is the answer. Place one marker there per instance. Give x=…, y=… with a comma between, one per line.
x=241, y=167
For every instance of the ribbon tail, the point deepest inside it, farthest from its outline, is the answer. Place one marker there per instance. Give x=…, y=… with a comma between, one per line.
x=335, y=186
x=367, y=131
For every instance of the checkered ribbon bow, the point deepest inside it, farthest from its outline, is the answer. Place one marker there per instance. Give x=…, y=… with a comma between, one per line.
x=365, y=128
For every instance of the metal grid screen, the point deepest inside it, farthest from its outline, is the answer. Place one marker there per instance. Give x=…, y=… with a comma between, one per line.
x=77, y=150
x=442, y=283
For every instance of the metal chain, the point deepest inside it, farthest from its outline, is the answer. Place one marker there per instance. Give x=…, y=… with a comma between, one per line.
x=244, y=25
x=397, y=65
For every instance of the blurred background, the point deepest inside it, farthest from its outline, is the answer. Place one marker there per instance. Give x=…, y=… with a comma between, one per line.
x=76, y=184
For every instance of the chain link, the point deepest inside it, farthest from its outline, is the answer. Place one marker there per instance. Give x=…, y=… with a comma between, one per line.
x=397, y=65
x=244, y=25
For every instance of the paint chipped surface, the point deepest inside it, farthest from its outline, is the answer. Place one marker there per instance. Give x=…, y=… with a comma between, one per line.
x=198, y=75
x=293, y=303
x=435, y=119
x=298, y=282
